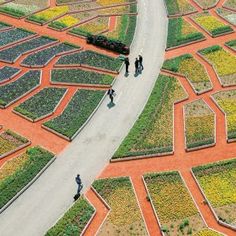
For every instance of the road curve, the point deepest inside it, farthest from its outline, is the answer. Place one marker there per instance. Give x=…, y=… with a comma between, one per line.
x=51, y=195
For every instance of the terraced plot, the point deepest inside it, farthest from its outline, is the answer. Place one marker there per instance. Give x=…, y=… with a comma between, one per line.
x=8, y=72
x=199, y=125
x=11, y=142
x=193, y=70
x=13, y=91
x=42, y=104
x=231, y=44
x=226, y=100
x=217, y=182
x=206, y=4
x=231, y=4
x=228, y=15
x=153, y=131
x=223, y=63
x=125, y=216
x=16, y=173
x=4, y=26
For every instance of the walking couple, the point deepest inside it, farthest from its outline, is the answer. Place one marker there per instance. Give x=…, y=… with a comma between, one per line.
x=138, y=65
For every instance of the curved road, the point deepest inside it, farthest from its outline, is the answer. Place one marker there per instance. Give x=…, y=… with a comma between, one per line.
x=51, y=195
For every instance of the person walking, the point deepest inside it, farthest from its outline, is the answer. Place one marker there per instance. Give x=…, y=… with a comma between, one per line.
x=111, y=93
x=127, y=65
x=140, y=60
x=136, y=64
x=80, y=186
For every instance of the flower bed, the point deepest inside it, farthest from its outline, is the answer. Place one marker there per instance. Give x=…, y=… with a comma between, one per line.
x=4, y=25
x=125, y=216
x=223, y=62
x=178, y=7
x=231, y=44
x=180, y=32
x=48, y=15
x=199, y=125
x=119, y=10
x=175, y=209
x=43, y=57
x=42, y=104
x=11, y=92
x=10, y=142
x=226, y=100
x=13, y=35
x=211, y=24
x=17, y=173
x=78, y=76
x=71, y=120
x=91, y=58
x=20, y=8
x=206, y=4
x=217, y=182
x=228, y=15
x=75, y=220
x=13, y=53
x=8, y=72
x=193, y=70
x=64, y=22
x=208, y=232
x=231, y=4
x=95, y=26
x=153, y=131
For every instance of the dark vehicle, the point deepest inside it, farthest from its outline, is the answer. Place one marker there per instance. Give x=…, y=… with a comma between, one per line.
x=110, y=44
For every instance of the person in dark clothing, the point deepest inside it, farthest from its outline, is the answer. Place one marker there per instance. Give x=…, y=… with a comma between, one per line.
x=127, y=65
x=111, y=93
x=79, y=182
x=140, y=60
x=136, y=64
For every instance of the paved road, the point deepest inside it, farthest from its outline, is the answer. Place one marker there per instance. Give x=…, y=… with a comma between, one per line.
x=51, y=195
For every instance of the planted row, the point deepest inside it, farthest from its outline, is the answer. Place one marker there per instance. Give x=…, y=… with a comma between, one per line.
x=13, y=91
x=8, y=72
x=13, y=53
x=199, y=125
x=193, y=70
x=153, y=131
x=10, y=142
x=78, y=76
x=16, y=173
x=41, y=104
x=91, y=58
x=231, y=44
x=178, y=7
x=4, y=25
x=124, y=216
x=77, y=112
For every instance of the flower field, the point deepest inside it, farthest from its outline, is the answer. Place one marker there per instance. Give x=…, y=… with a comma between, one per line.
x=13, y=35
x=230, y=4
x=48, y=15
x=41, y=104
x=206, y=4
x=153, y=131
x=43, y=57
x=125, y=216
x=231, y=44
x=194, y=71
x=226, y=100
x=228, y=15
x=217, y=181
x=13, y=91
x=211, y=24
x=181, y=32
x=178, y=7
x=173, y=204
x=20, y=8
x=8, y=72
x=199, y=125
x=10, y=141
x=224, y=63
x=91, y=58
x=78, y=76
x=207, y=232
x=71, y=119
x=16, y=173
x=75, y=219
x=64, y=22
x=13, y=53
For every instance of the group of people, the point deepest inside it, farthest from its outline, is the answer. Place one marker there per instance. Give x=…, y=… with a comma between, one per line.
x=138, y=64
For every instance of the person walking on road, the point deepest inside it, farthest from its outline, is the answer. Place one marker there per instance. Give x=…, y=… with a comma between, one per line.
x=111, y=93
x=127, y=65
x=80, y=186
x=136, y=64
x=140, y=60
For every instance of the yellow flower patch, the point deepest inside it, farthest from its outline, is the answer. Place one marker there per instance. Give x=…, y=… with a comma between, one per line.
x=207, y=232
x=68, y=20
x=110, y=2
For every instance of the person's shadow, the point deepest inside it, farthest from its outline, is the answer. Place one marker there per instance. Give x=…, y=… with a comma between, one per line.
x=110, y=105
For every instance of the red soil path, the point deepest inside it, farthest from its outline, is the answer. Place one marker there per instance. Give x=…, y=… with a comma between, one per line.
x=181, y=160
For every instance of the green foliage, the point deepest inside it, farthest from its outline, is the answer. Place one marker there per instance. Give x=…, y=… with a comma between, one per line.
x=12, y=11
x=221, y=30
x=210, y=49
